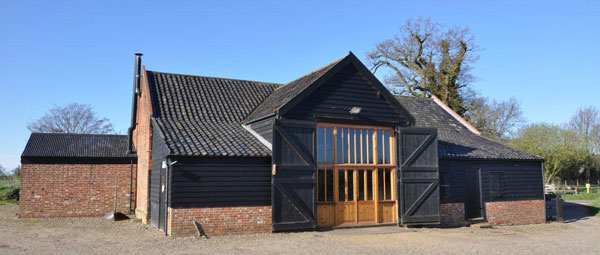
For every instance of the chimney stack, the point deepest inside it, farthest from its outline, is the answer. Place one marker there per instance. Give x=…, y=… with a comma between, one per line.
x=137, y=76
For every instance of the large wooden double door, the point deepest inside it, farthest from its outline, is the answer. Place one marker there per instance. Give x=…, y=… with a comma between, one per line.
x=355, y=175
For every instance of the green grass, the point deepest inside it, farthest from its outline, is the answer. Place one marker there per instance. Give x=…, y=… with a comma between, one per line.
x=8, y=202
x=582, y=196
x=4, y=188
x=595, y=208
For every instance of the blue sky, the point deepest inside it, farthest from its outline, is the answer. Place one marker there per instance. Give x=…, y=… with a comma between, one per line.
x=543, y=53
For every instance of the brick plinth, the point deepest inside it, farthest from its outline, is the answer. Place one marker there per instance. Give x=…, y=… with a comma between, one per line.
x=217, y=221
x=516, y=212
x=74, y=190
x=453, y=214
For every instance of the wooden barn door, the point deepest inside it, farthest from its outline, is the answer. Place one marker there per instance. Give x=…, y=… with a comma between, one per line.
x=418, y=178
x=294, y=175
x=158, y=197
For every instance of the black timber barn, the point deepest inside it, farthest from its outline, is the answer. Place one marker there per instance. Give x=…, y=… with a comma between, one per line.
x=332, y=148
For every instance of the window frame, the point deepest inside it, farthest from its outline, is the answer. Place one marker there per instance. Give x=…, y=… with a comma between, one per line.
x=445, y=187
x=501, y=184
x=370, y=163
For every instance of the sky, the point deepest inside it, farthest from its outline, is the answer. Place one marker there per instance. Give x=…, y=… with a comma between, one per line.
x=543, y=53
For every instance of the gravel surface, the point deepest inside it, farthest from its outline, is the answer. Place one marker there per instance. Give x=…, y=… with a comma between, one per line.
x=98, y=236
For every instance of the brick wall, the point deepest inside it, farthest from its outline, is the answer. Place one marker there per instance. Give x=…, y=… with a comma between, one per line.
x=453, y=214
x=516, y=212
x=142, y=137
x=73, y=190
x=220, y=220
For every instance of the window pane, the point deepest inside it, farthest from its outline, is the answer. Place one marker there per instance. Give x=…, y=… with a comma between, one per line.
x=380, y=184
x=340, y=147
x=320, y=145
x=341, y=185
x=386, y=141
x=370, y=147
x=445, y=185
x=329, y=188
x=370, y=185
x=329, y=145
x=352, y=147
x=496, y=184
x=379, y=147
x=321, y=185
x=345, y=150
x=364, y=146
x=361, y=185
x=350, y=185
x=388, y=184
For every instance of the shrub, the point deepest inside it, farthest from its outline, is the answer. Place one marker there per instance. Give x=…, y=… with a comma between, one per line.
x=12, y=194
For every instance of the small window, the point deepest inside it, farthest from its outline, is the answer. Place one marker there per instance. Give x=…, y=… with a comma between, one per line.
x=324, y=145
x=445, y=184
x=346, y=185
x=325, y=185
x=497, y=184
x=384, y=183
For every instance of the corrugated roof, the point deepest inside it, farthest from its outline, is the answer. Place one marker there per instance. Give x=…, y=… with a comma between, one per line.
x=59, y=145
x=455, y=141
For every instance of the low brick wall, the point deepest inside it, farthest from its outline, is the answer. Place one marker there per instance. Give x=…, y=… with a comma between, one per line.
x=217, y=221
x=516, y=212
x=73, y=190
x=453, y=214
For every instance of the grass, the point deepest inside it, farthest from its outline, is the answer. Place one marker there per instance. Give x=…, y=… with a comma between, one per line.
x=4, y=188
x=8, y=202
x=595, y=208
x=582, y=196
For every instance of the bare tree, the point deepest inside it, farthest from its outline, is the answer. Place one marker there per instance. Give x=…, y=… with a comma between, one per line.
x=72, y=118
x=428, y=58
x=586, y=123
x=497, y=120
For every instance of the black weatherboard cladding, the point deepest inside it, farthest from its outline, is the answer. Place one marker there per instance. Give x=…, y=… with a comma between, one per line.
x=346, y=89
x=264, y=128
x=284, y=94
x=231, y=181
x=523, y=179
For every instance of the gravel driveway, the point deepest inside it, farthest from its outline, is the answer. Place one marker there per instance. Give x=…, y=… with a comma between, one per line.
x=97, y=236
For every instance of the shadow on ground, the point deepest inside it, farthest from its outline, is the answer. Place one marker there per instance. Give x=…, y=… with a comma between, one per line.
x=576, y=210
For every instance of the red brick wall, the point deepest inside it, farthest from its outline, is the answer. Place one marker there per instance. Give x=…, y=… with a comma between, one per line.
x=516, y=212
x=220, y=220
x=73, y=190
x=142, y=139
x=453, y=214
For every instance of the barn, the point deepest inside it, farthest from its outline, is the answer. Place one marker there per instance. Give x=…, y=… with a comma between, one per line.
x=333, y=148
x=76, y=175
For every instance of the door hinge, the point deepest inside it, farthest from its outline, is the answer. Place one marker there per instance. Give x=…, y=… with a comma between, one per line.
x=274, y=170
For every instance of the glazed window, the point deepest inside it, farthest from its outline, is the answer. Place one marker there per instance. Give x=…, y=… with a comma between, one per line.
x=325, y=185
x=445, y=180
x=384, y=181
x=497, y=184
x=350, y=159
